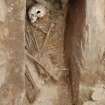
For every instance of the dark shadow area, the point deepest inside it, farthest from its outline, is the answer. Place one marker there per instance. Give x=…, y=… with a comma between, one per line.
x=75, y=22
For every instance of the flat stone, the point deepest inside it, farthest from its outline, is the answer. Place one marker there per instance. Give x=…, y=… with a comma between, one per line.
x=94, y=103
x=89, y=103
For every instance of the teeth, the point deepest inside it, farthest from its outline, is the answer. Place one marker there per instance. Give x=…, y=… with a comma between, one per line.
x=34, y=20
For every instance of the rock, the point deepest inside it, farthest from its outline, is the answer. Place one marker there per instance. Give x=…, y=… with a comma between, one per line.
x=98, y=96
x=99, y=93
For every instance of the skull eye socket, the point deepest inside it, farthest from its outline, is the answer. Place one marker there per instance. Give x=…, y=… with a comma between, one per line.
x=32, y=15
x=38, y=12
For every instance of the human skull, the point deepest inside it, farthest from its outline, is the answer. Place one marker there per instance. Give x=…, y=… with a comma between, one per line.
x=36, y=11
